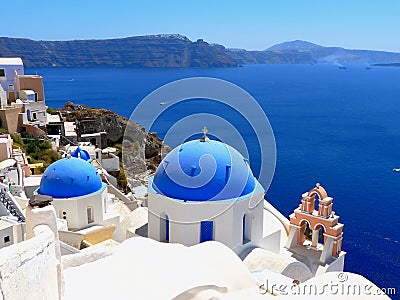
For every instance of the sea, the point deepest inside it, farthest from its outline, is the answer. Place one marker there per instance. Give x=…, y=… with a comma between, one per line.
x=339, y=127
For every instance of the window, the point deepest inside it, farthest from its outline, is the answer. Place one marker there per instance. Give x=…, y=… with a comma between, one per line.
x=206, y=231
x=63, y=215
x=2, y=73
x=247, y=220
x=167, y=228
x=164, y=228
x=7, y=239
x=10, y=87
x=34, y=116
x=90, y=218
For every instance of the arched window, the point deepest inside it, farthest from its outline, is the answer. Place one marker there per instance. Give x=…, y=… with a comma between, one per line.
x=90, y=216
x=167, y=228
x=164, y=228
x=206, y=231
x=246, y=227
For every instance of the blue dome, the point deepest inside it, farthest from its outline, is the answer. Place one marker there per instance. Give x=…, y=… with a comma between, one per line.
x=201, y=171
x=70, y=177
x=79, y=153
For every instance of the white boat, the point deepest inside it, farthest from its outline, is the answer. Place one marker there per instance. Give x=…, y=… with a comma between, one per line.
x=396, y=170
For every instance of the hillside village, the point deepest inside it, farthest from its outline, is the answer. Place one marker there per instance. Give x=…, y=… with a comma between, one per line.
x=35, y=136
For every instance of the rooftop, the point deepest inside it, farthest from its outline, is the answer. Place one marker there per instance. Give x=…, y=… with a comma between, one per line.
x=10, y=61
x=53, y=118
x=5, y=224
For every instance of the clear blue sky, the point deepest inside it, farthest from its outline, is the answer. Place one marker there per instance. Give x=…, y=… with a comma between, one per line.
x=253, y=25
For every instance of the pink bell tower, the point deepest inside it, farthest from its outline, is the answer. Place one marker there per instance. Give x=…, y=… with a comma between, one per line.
x=312, y=215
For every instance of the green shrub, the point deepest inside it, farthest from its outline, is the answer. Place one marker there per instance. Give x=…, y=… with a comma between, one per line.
x=121, y=179
x=40, y=151
x=18, y=141
x=50, y=110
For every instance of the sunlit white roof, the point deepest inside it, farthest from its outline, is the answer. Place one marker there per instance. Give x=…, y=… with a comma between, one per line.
x=29, y=92
x=11, y=61
x=7, y=163
x=53, y=118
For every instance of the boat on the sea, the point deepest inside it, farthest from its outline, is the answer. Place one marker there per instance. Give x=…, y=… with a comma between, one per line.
x=342, y=67
x=396, y=169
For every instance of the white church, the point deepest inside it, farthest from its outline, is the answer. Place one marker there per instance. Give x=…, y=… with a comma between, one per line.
x=78, y=194
x=206, y=221
x=204, y=190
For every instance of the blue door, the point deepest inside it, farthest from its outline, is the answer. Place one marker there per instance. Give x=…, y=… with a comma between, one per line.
x=206, y=231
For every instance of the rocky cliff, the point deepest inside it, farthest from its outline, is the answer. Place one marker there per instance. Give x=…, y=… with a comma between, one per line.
x=142, y=147
x=139, y=51
x=174, y=51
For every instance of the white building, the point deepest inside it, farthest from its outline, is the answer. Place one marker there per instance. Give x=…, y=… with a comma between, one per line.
x=204, y=190
x=22, y=98
x=79, y=195
x=9, y=67
x=5, y=146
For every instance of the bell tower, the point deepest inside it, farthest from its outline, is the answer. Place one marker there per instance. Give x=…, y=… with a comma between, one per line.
x=314, y=219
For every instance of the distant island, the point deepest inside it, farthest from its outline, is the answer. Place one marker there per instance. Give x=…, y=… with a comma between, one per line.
x=175, y=51
x=387, y=65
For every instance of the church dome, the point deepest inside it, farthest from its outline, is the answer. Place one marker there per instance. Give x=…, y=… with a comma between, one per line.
x=80, y=153
x=70, y=177
x=204, y=170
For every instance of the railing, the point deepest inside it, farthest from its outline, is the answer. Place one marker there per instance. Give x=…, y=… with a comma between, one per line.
x=8, y=202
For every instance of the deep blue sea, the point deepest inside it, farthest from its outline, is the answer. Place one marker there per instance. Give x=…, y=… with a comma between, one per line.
x=337, y=127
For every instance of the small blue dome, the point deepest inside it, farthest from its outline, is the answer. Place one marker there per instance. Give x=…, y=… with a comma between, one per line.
x=70, y=177
x=204, y=170
x=82, y=154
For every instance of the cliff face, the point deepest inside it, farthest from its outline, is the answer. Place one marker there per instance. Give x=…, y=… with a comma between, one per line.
x=140, y=51
x=142, y=147
x=174, y=51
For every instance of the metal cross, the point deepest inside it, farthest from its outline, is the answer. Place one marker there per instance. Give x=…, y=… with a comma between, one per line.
x=204, y=138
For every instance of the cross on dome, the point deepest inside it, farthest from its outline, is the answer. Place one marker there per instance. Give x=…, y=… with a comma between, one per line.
x=204, y=137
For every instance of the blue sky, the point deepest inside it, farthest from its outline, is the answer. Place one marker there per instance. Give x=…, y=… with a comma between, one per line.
x=253, y=25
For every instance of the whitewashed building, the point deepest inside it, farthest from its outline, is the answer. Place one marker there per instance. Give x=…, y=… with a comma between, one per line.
x=22, y=98
x=79, y=195
x=204, y=190
x=9, y=68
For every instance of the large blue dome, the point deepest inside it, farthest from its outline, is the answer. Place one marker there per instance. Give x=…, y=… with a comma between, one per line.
x=204, y=170
x=70, y=177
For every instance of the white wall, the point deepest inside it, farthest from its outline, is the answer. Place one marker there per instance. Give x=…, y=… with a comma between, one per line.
x=28, y=270
x=39, y=108
x=185, y=217
x=9, y=70
x=6, y=232
x=76, y=209
x=3, y=97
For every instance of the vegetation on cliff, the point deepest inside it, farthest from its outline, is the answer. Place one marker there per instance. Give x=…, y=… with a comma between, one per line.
x=38, y=150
